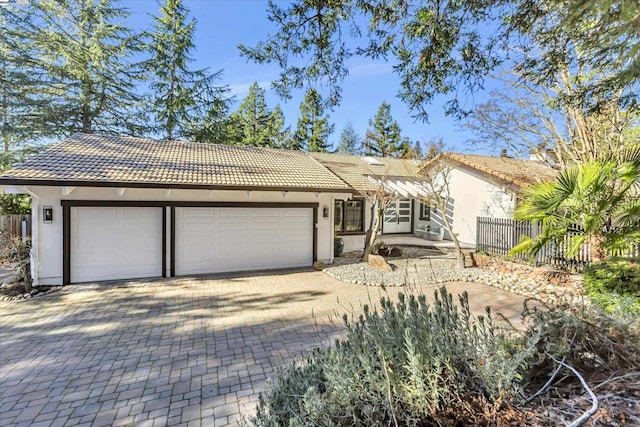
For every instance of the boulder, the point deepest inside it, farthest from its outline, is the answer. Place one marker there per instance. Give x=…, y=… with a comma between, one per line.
x=378, y=262
x=319, y=265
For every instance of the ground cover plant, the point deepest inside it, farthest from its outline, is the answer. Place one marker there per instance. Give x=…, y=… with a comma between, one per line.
x=614, y=285
x=430, y=364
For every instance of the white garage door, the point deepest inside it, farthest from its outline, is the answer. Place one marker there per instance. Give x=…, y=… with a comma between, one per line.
x=214, y=240
x=115, y=243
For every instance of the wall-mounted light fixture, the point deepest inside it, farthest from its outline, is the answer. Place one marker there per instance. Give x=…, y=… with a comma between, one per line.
x=47, y=214
x=325, y=212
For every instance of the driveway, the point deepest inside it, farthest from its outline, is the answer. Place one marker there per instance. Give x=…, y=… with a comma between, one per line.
x=189, y=351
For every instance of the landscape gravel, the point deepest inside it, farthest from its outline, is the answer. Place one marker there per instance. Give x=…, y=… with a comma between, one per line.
x=426, y=270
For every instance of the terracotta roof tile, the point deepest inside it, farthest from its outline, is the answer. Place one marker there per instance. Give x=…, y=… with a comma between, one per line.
x=520, y=172
x=124, y=160
x=356, y=170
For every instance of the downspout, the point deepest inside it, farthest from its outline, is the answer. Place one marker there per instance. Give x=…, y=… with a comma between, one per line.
x=35, y=227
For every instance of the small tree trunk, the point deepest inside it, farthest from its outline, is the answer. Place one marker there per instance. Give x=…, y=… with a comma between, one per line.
x=454, y=238
x=598, y=252
x=371, y=236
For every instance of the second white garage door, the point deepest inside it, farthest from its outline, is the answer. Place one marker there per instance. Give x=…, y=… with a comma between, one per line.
x=214, y=240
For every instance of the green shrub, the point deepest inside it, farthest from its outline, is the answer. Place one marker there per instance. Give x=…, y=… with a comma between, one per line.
x=408, y=363
x=614, y=285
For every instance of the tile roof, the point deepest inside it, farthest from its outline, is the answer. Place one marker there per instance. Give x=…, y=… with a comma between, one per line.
x=356, y=170
x=84, y=159
x=520, y=172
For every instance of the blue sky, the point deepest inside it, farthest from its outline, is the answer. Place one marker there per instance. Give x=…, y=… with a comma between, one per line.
x=224, y=24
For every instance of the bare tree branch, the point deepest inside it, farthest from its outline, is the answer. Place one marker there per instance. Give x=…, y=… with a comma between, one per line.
x=594, y=399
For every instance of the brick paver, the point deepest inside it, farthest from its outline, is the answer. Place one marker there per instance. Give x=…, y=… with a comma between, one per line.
x=189, y=351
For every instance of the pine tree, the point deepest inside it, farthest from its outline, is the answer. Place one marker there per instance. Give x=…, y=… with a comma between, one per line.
x=410, y=151
x=185, y=102
x=435, y=146
x=278, y=133
x=349, y=140
x=254, y=124
x=313, y=129
x=82, y=59
x=20, y=109
x=383, y=136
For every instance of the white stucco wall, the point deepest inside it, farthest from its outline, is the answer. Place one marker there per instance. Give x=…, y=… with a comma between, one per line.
x=473, y=196
x=47, y=239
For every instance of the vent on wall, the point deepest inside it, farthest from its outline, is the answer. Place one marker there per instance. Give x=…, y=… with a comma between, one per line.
x=372, y=161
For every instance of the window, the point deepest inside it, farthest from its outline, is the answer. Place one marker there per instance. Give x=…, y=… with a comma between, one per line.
x=348, y=216
x=425, y=212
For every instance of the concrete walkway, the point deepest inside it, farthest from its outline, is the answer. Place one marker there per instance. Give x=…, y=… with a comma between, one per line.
x=172, y=352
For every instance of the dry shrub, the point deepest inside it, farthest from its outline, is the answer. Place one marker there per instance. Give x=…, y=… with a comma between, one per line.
x=16, y=252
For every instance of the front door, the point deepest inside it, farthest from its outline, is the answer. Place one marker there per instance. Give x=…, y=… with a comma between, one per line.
x=397, y=217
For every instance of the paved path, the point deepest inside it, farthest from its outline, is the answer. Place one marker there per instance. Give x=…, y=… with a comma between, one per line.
x=184, y=351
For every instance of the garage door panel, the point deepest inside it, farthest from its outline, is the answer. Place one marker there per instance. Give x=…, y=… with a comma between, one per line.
x=227, y=227
x=234, y=249
x=231, y=214
x=244, y=239
x=198, y=213
x=198, y=227
x=115, y=243
x=94, y=213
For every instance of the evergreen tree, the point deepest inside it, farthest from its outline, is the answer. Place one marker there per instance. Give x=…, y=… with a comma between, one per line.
x=19, y=107
x=185, y=102
x=435, y=146
x=81, y=58
x=313, y=129
x=383, y=136
x=254, y=124
x=278, y=133
x=410, y=151
x=441, y=47
x=349, y=141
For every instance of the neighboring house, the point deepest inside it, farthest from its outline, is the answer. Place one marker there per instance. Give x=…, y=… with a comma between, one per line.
x=483, y=186
x=365, y=174
x=107, y=207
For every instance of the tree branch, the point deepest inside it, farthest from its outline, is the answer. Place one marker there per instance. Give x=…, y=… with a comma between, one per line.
x=594, y=399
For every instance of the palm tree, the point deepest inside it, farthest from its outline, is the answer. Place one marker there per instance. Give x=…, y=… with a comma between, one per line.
x=595, y=204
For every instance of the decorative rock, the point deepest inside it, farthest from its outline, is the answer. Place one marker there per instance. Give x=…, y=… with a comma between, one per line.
x=319, y=265
x=378, y=262
x=395, y=252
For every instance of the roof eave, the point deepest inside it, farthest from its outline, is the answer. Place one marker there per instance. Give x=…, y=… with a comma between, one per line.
x=182, y=186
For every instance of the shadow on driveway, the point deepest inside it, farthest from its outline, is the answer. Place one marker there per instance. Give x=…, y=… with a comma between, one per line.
x=193, y=351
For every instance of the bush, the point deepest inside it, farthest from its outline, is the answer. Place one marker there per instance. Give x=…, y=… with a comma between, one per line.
x=614, y=285
x=409, y=363
x=16, y=252
x=589, y=340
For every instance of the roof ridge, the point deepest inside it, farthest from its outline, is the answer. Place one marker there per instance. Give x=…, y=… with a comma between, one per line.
x=185, y=142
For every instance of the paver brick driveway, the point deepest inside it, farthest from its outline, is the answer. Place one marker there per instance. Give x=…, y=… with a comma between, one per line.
x=182, y=351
